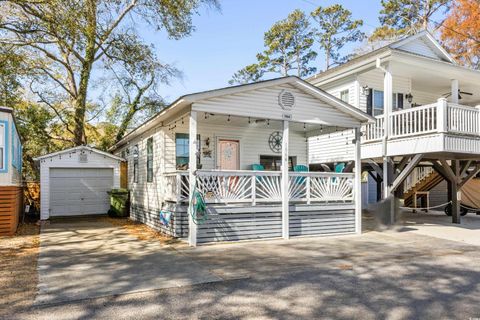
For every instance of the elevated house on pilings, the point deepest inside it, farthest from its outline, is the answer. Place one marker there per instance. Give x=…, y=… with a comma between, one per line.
x=245, y=149
x=427, y=130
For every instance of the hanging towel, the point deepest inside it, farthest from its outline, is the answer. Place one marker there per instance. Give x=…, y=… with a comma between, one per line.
x=165, y=217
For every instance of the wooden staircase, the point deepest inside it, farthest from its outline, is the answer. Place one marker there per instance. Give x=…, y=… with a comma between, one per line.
x=426, y=183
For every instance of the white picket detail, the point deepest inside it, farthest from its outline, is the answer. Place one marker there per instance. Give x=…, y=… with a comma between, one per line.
x=431, y=118
x=463, y=119
x=373, y=131
x=175, y=186
x=418, y=120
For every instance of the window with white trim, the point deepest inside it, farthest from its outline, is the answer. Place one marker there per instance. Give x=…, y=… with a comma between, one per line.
x=378, y=105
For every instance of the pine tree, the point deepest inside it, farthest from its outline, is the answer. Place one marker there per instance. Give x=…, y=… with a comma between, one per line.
x=335, y=28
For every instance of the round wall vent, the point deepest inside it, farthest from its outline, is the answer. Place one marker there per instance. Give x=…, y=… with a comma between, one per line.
x=286, y=100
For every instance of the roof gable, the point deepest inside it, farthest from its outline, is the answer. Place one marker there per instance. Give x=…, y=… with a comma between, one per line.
x=79, y=148
x=265, y=89
x=265, y=103
x=423, y=44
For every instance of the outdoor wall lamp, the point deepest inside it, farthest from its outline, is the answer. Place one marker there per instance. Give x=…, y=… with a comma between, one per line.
x=409, y=97
x=365, y=90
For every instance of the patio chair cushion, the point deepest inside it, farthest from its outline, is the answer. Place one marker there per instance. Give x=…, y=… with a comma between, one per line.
x=340, y=167
x=300, y=168
x=258, y=167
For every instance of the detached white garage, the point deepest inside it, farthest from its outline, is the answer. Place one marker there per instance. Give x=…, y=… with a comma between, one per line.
x=75, y=182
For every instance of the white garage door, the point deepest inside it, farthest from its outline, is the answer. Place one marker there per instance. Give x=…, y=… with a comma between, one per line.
x=76, y=191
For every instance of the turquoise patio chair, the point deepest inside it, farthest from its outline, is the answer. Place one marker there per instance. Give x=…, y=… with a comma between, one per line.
x=258, y=167
x=300, y=168
x=338, y=169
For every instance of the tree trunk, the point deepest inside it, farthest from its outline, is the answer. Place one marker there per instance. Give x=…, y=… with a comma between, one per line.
x=126, y=121
x=80, y=103
x=327, y=59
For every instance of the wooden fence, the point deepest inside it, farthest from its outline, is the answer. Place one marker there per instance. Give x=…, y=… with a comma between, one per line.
x=11, y=203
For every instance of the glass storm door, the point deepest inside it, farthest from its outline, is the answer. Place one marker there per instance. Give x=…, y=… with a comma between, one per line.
x=229, y=154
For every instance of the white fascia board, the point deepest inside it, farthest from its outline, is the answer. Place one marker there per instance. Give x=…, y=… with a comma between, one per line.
x=359, y=67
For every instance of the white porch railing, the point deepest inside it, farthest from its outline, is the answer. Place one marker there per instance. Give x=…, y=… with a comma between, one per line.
x=374, y=131
x=437, y=117
x=261, y=186
x=463, y=119
x=419, y=120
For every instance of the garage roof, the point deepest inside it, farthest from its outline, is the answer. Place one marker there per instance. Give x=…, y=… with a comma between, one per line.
x=79, y=148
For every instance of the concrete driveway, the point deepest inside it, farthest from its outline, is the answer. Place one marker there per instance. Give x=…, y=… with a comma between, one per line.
x=395, y=274
x=87, y=258
x=437, y=224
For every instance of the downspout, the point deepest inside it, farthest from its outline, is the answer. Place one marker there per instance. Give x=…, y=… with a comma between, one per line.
x=386, y=111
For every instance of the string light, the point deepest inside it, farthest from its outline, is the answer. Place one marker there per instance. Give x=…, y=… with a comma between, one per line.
x=228, y=118
x=268, y=122
x=304, y=127
x=249, y=120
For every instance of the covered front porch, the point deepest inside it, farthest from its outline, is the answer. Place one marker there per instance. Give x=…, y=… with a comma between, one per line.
x=255, y=183
x=249, y=163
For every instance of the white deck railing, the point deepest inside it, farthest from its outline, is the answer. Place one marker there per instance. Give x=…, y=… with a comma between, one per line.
x=374, y=131
x=437, y=117
x=419, y=120
x=254, y=187
x=463, y=119
x=417, y=175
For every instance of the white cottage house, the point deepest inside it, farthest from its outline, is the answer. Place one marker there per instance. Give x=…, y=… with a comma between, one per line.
x=245, y=149
x=427, y=127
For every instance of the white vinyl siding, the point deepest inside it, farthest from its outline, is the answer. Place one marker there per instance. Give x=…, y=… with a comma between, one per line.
x=420, y=47
x=333, y=147
x=263, y=104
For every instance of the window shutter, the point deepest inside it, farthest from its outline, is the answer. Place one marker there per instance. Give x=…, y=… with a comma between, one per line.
x=400, y=100
x=370, y=102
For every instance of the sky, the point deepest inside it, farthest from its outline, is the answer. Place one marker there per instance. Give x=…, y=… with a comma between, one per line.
x=227, y=40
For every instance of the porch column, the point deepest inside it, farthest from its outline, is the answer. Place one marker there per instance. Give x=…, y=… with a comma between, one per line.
x=192, y=167
x=454, y=91
x=285, y=182
x=358, y=183
x=387, y=109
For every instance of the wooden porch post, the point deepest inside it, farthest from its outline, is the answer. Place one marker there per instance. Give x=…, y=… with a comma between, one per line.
x=192, y=167
x=358, y=183
x=456, y=195
x=285, y=182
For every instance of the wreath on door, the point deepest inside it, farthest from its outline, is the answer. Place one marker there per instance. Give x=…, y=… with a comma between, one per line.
x=275, y=141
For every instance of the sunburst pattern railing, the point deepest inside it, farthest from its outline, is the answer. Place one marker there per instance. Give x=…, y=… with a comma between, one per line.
x=261, y=186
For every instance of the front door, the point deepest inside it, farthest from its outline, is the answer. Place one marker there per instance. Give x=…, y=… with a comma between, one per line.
x=228, y=154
